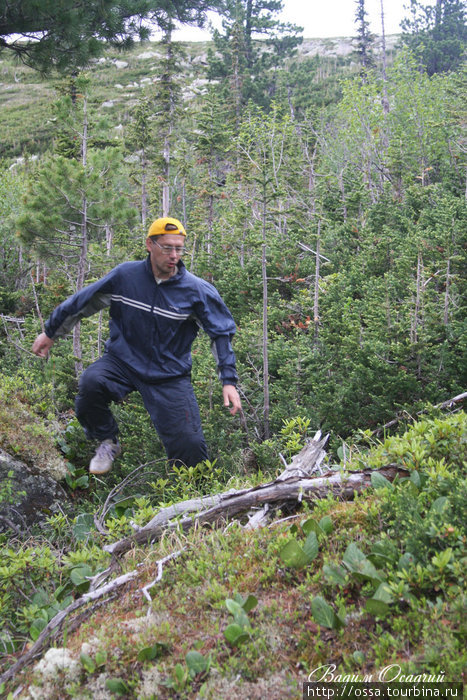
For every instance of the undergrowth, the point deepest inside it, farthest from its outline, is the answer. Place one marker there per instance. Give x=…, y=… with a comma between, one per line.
x=354, y=587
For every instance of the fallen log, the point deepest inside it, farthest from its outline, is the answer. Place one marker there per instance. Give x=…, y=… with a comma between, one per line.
x=295, y=483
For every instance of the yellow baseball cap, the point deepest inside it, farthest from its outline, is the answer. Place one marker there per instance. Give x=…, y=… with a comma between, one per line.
x=166, y=225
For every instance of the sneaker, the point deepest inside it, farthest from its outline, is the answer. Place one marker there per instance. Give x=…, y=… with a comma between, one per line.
x=104, y=457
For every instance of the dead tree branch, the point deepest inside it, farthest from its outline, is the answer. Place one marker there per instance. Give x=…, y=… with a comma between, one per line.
x=450, y=403
x=56, y=622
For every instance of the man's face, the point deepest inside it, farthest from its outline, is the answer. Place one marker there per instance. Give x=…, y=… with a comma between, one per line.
x=163, y=263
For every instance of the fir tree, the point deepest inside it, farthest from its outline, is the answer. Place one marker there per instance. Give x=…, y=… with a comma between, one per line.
x=437, y=34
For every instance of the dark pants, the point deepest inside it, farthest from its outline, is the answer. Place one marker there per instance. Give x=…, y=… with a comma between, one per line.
x=171, y=405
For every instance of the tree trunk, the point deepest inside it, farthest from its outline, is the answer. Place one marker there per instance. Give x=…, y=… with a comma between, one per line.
x=316, y=289
x=384, y=62
x=265, y=327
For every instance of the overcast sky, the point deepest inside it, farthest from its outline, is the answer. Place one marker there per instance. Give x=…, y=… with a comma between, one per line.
x=328, y=18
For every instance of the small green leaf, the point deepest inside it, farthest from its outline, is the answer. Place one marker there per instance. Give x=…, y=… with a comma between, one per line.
x=37, y=627
x=293, y=555
x=87, y=662
x=382, y=553
x=335, y=574
x=405, y=561
x=239, y=614
x=375, y=607
x=383, y=593
x=415, y=478
x=100, y=658
x=250, y=603
x=358, y=657
x=150, y=653
x=439, y=504
x=196, y=663
x=117, y=685
x=326, y=524
x=310, y=548
x=40, y=598
x=359, y=565
x=80, y=574
x=235, y=634
x=311, y=525
x=378, y=481
x=323, y=614
x=442, y=559
x=180, y=673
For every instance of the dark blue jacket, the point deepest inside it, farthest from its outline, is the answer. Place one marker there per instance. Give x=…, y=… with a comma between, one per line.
x=152, y=326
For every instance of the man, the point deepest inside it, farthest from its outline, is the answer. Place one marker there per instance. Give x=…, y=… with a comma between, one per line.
x=156, y=309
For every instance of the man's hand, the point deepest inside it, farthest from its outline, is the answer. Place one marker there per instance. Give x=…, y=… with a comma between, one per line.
x=231, y=396
x=42, y=345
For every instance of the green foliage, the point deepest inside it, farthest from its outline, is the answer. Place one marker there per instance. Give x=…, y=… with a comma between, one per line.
x=297, y=556
x=325, y=616
x=437, y=34
x=422, y=551
x=239, y=630
x=246, y=67
x=70, y=36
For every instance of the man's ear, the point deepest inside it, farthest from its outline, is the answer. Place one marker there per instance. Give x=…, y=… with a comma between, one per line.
x=148, y=244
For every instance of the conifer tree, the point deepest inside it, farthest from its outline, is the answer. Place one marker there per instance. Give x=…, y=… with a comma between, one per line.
x=437, y=34
x=49, y=35
x=166, y=106
x=251, y=47
x=73, y=202
x=365, y=38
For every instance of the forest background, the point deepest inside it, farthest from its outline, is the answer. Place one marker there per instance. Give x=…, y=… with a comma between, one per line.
x=323, y=192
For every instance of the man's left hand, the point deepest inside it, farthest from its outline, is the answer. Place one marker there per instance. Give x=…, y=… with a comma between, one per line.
x=231, y=396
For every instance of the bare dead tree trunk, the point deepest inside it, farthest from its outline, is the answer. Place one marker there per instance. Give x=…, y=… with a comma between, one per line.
x=169, y=121
x=265, y=326
x=83, y=255
x=417, y=303
x=446, y=293
x=384, y=62
x=316, y=289
x=340, y=181
x=144, y=190
x=36, y=303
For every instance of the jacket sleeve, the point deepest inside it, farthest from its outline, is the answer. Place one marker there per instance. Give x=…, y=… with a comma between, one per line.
x=86, y=302
x=216, y=320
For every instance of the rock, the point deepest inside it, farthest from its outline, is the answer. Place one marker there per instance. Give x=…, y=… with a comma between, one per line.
x=28, y=496
x=148, y=54
x=120, y=64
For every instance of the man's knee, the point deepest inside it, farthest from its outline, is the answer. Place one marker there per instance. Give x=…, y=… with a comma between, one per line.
x=189, y=449
x=90, y=380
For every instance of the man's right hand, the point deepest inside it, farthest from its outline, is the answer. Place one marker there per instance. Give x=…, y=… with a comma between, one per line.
x=42, y=345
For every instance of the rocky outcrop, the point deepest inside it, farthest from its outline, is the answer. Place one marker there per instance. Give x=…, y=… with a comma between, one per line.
x=27, y=497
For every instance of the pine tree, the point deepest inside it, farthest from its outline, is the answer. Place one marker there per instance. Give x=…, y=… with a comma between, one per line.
x=364, y=37
x=48, y=35
x=73, y=202
x=437, y=34
x=251, y=48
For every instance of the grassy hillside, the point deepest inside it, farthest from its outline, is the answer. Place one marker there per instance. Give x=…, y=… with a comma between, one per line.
x=232, y=614
x=118, y=80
